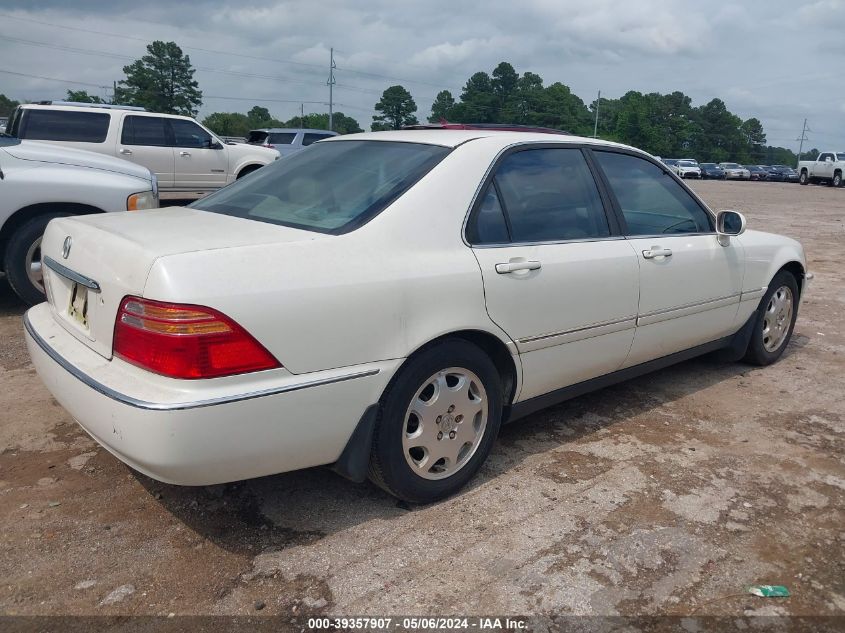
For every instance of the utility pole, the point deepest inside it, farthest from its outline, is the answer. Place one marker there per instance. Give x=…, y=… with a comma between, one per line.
x=302, y=116
x=331, y=82
x=596, y=126
x=803, y=138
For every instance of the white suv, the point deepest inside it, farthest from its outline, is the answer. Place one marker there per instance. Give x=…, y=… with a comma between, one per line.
x=188, y=159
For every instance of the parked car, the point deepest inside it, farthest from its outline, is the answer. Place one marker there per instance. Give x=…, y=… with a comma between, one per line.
x=711, y=171
x=3, y=122
x=287, y=141
x=790, y=175
x=734, y=171
x=773, y=174
x=39, y=182
x=189, y=160
x=827, y=167
x=672, y=164
x=383, y=302
x=689, y=169
x=756, y=172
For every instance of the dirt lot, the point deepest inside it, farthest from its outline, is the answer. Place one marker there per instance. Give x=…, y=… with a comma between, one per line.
x=666, y=495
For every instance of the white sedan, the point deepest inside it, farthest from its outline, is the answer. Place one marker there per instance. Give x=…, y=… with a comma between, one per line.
x=383, y=302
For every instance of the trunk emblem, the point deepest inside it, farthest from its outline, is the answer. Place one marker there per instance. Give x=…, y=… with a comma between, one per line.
x=66, y=247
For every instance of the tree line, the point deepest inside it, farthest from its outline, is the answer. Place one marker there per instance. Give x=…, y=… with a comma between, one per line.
x=667, y=125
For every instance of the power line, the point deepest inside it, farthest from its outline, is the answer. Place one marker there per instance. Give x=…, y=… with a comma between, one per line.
x=66, y=81
x=123, y=36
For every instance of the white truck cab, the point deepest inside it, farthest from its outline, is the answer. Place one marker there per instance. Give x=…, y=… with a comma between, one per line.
x=189, y=160
x=828, y=167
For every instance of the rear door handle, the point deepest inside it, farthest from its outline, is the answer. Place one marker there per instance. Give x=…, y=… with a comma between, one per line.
x=184, y=153
x=656, y=251
x=511, y=267
x=126, y=152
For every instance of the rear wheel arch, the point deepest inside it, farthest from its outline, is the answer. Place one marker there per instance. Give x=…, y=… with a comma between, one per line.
x=488, y=343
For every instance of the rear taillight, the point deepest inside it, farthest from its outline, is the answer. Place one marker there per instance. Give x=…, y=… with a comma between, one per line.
x=185, y=341
x=270, y=146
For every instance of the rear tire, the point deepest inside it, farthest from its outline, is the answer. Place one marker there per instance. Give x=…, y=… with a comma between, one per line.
x=439, y=419
x=775, y=320
x=22, y=262
x=804, y=178
x=837, y=180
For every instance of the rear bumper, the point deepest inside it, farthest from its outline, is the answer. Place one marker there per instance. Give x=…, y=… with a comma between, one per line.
x=208, y=431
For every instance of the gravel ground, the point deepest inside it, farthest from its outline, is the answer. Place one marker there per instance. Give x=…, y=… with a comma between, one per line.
x=665, y=495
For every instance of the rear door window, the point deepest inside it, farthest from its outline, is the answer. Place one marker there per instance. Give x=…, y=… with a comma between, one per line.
x=313, y=137
x=281, y=138
x=144, y=130
x=548, y=195
x=64, y=125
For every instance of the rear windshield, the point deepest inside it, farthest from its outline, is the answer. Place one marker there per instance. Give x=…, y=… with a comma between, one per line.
x=63, y=125
x=256, y=137
x=840, y=156
x=329, y=187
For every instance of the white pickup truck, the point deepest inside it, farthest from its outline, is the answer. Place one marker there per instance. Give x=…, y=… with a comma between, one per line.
x=828, y=167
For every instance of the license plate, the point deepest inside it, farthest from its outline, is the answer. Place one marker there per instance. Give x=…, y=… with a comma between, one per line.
x=78, y=308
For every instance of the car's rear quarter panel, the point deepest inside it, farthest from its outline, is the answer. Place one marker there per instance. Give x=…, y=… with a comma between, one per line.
x=379, y=292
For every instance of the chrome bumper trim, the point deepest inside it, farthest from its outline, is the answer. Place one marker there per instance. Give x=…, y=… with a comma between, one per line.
x=179, y=406
x=64, y=271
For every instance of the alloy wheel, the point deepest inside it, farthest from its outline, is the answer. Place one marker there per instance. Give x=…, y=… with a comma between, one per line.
x=777, y=319
x=445, y=423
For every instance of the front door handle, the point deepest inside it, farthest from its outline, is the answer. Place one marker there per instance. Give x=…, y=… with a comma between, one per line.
x=656, y=251
x=512, y=267
x=126, y=152
x=184, y=153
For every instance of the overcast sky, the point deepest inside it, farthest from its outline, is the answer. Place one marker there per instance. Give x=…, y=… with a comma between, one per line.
x=778, y=60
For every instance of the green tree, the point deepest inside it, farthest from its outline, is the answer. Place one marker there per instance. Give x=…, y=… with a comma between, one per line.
x=397, y=109
x=161, y=81
x=478, y=101
x=260, y=116
x=504, y=84
x=82, y=96
x=227, y=123
x=7, y=105
x=341, y=123
x=755, y=138
x=441, y=109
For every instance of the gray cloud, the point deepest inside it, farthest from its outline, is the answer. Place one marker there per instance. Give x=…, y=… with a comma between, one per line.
x=760, y=57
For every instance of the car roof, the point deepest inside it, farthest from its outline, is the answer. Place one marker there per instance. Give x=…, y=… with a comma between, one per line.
x=101, y=108
x=453, y=138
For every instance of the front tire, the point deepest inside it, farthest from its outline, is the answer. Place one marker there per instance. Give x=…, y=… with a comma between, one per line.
x=439, y=419
x=775, y=320
x=23, y=259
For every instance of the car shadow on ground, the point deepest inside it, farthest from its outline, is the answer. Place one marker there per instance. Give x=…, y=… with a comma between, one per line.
x=301, y=507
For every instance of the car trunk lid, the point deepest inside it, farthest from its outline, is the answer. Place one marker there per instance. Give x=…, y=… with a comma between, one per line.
x=91, y=262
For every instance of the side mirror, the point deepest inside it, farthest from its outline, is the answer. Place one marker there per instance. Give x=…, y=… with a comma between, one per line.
x=729, y=223
x=215, y=145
